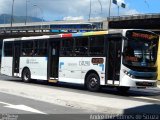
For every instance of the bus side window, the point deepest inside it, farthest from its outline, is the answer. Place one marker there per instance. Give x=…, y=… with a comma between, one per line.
x=67, y=47
x=8, y=49
x=27, y=48
x=81, y=46
x=96, y=45
x=40, y=47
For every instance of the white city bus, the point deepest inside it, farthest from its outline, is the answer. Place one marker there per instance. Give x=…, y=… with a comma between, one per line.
x=121, y=58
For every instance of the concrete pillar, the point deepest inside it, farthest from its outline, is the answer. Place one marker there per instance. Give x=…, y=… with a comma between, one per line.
x=105, y=25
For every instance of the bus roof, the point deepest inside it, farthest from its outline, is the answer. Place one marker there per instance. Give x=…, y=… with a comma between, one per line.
x=66, y=35
x=69, y=35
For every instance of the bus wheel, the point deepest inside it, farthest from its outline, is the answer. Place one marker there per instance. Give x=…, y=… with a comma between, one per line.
x=26, y=75
x=93, y=82
x=123, y=89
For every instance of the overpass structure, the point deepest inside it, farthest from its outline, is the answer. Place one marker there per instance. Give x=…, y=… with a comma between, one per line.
x=55, y=26
x=45, y=28
x=146, y=21
x=142, y=21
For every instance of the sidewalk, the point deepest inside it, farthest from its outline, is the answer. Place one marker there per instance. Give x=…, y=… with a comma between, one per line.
x=78, y=100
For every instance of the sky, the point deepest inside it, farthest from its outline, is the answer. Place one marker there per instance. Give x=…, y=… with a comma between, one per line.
x=51, y=10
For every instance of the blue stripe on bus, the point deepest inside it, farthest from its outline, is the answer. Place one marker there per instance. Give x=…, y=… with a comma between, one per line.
x=102, y=66
x=61, y=64
x=76, y=34
x=141, y=74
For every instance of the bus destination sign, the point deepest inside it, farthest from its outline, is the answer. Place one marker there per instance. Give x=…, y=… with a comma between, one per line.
x=144, y=36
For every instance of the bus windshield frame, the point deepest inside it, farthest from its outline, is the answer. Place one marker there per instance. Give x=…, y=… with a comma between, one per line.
x=140, y=49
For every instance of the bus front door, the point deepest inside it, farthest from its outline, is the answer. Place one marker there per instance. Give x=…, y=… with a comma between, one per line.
x=16, y=57
x=53, y=59
x=114, y=59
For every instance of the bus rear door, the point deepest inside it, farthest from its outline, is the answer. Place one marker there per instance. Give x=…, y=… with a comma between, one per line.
x=53, y=60
x=16, y=57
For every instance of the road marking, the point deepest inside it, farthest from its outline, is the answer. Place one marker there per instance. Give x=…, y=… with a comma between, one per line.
x=147, y=98
x=22, y=107
x=4, y=103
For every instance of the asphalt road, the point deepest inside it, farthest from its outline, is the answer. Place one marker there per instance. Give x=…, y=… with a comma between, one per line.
x=147, y=95
x=39, y=106
x=23, y=109
x=15, y=104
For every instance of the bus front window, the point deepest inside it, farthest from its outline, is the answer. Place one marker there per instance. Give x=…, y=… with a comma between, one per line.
x=140, y=52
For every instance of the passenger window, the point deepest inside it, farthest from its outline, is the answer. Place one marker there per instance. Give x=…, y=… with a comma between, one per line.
x=40, y=47
x=81, y=46
x=27, y=48
x=67, y=47
x=96, y=45
x=8, y=49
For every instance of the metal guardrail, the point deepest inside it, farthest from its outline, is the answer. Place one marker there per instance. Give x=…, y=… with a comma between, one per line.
x=41, y=30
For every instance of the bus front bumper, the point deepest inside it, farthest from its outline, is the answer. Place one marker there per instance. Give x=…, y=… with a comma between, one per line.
x=132, y=82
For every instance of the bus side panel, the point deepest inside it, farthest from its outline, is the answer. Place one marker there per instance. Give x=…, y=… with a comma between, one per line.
x=87, y=65
x=36, y=65
x=70, y=70
x=74, y=69
x=6, y=66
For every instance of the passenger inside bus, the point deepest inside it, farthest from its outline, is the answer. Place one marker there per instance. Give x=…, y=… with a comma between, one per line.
x=33, y=52
x=129, y=51
x=129, y=54
x=53, y=49
x=23, y=53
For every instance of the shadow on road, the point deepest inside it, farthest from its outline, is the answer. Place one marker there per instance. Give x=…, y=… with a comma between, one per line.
x=146, y=109
x=146, y=112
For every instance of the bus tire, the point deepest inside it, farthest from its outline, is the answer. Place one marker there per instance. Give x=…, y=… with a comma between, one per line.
x=123, y=89
x=93, y=82
x=26, y=75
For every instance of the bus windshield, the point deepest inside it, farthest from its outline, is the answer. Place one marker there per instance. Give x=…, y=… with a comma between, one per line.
x=140, y=49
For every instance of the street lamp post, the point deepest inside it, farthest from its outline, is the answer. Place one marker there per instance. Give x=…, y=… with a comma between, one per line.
x=118, y=10
x=4, y=21
x=26, y=12
x=90, y=10
x=109, y=14
x=41, y=12
x=12, y=13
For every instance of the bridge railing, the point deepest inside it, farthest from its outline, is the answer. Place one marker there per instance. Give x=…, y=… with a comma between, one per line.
x=44, y=30
x=134, y=16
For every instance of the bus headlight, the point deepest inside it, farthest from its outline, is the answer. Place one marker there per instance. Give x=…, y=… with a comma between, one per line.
x=129, y=74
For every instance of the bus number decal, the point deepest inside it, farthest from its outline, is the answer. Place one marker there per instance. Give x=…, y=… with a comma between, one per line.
x=84, y=63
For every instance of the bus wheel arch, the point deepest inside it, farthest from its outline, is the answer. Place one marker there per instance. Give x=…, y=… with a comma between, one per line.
x=26, y=75
x=92, y=81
